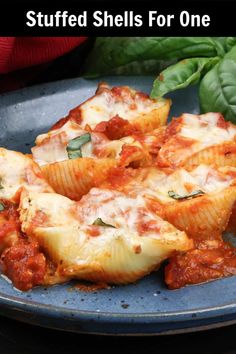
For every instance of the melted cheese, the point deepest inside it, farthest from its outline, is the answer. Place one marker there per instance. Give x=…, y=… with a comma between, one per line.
x=194, y=134
x=114, y=208
x=155, y=183
x=70, y=130
x=118, y=254
x=51, y=147
x=16, y=171
x=204, y=128
x=106, y=105
x=55, y=208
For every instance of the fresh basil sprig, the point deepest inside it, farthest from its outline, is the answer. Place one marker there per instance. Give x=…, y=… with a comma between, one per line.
x=110, y=53
x=217, y=92
x=178, y=76
x=2, y=206
x=99, y=222
x=194, y=194
x=74, y=146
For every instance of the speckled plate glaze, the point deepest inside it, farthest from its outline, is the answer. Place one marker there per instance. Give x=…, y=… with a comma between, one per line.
x=144, y=308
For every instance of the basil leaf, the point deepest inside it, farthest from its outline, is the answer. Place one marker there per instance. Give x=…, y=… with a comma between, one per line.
x=110, y=53
x=226, y=42
x=186, y=72
x=99, y=222
x=74, y=146
x=217, y=92
x=231, y=54
x=2, y=207
x=194, y=194
x=146, y=67
x=230, y=42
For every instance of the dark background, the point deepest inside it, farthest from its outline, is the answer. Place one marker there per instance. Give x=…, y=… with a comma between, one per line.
x=19, y=338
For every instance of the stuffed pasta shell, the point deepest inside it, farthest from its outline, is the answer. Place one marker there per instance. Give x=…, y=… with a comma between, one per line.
x=198, y=139
x=74, y=160
x=70, y=142
x=17, y=171
x=119, y=111
x=106, y=237
x=199, y=201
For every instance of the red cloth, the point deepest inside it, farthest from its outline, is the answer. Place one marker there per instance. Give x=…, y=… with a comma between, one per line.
x=21, y=52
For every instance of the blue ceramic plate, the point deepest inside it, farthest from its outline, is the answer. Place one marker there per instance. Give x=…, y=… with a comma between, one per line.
x=146, y=307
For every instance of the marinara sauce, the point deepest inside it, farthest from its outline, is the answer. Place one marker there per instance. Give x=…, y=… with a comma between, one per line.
x=210, y=260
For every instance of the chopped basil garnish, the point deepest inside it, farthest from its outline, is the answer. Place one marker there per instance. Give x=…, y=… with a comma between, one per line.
x=99, y=222
x=74, y=146
x=194, y=194
x=2, y=207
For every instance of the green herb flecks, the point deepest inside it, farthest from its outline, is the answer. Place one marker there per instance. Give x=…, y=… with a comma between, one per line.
x=99, y=222
x=74, y=146
x=194, y=194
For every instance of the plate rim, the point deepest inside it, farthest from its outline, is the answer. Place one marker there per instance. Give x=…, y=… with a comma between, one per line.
x=173, y=316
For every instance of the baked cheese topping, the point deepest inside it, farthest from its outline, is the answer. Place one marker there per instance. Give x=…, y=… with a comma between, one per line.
x=69, y=130
x=54, y=209
x=52, y=146
x=156, y=183
x=122, y=101
x=18, y=170
x=112, y=207
x=191, y=133
x=119, y=210
x=208, y=129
